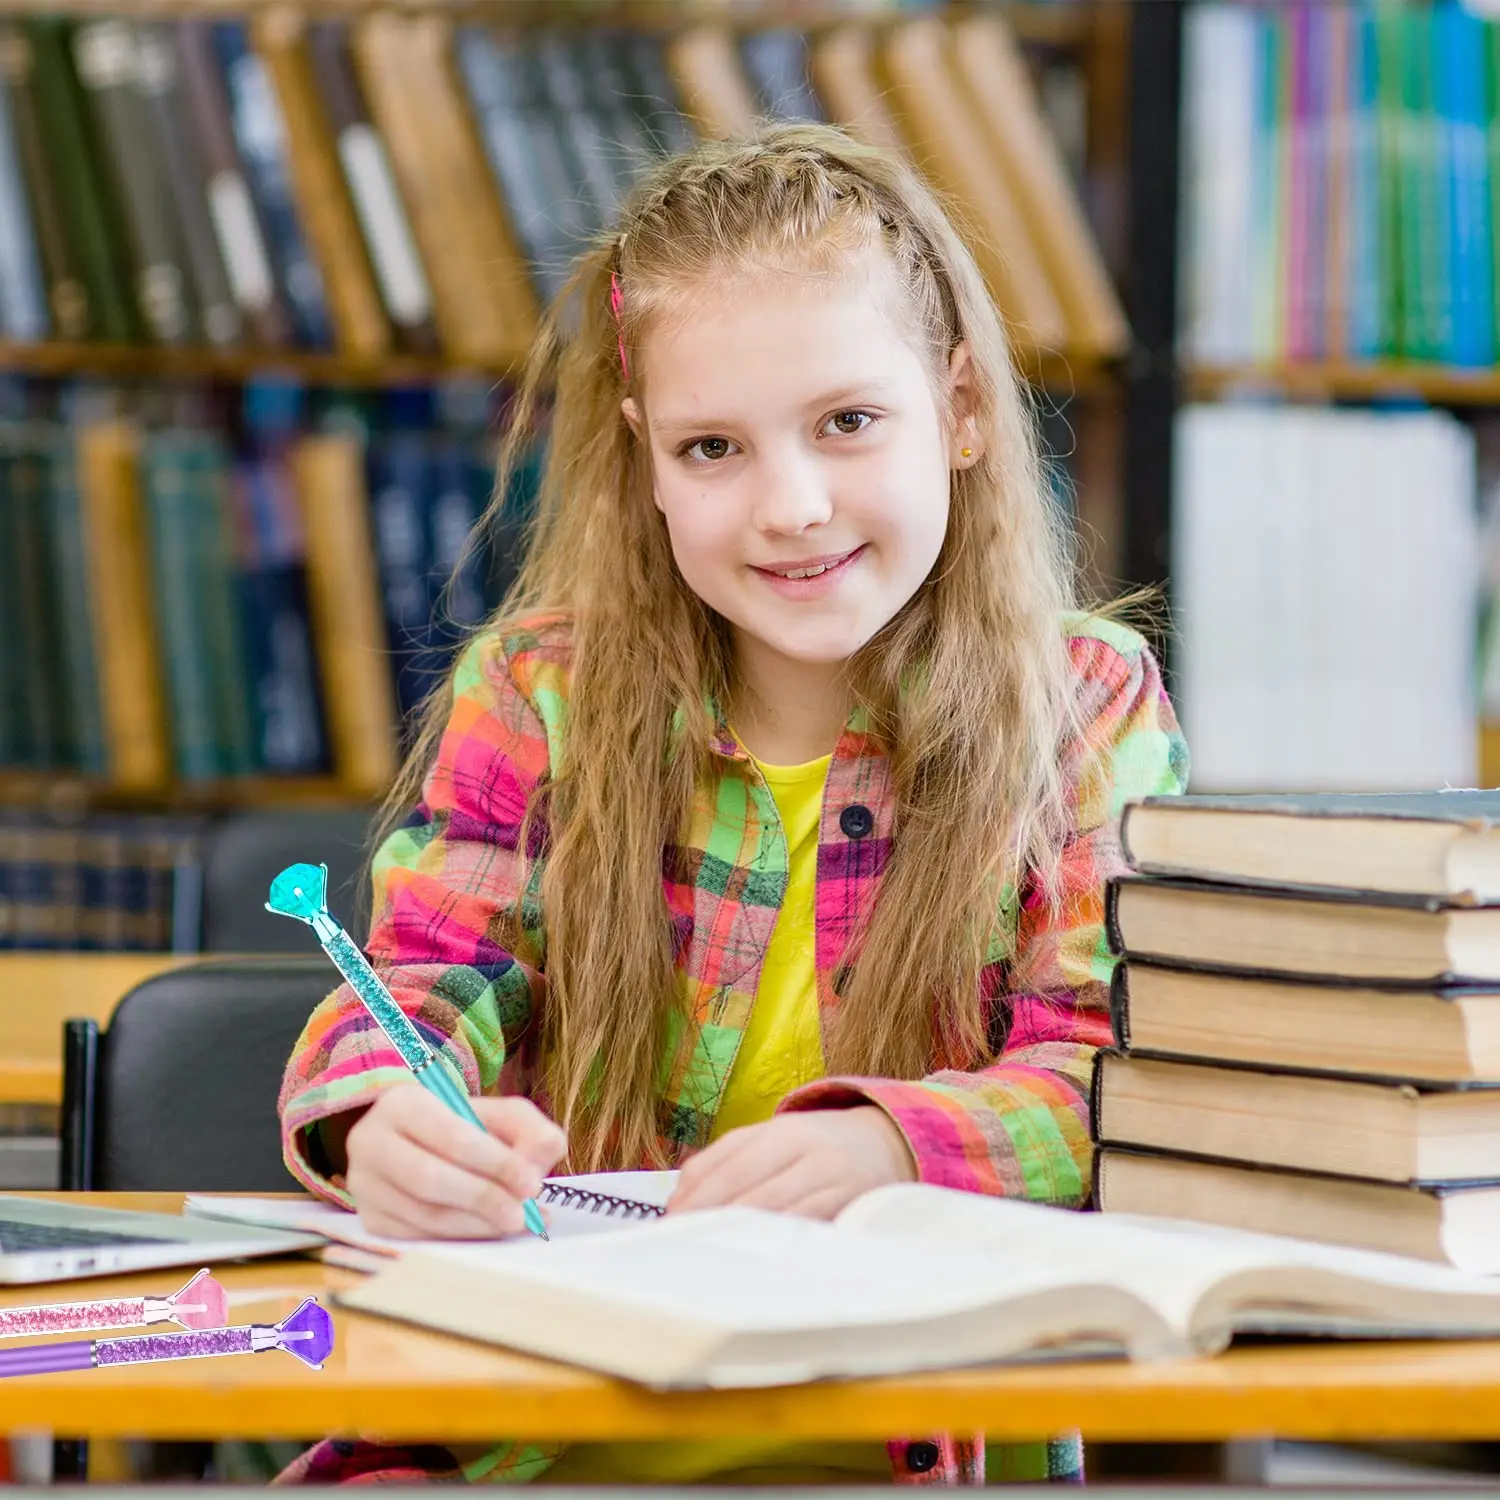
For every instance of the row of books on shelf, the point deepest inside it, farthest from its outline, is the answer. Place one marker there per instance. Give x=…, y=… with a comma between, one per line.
x=1307, y=1020
x=127, y=884
x=182, y=602
x=1333, y=615
x=419, y=182
x=1341, y=182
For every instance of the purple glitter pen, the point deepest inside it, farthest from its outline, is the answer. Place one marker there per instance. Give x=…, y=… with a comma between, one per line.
x=306, y=1333
x=200, y=1304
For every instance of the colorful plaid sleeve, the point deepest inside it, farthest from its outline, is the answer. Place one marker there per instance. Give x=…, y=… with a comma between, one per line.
x=441, y=885
x=1020, y=1127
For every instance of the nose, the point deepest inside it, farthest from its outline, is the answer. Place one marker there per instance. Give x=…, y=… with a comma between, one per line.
x=794, y=495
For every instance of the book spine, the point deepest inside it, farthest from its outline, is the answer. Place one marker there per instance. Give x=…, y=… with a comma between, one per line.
x=1119, y=1005
x=231, y=209
x=123, y=608
x=171, y=134
x=23, y=294
x=105, y=58
x=68, y=544
x=177, y=564
x=398, y=474
x=70, y=312
x=89, y=203
x=278, y=637
x=319, y=189
x=40, y=669
x=261, y=137
x=344, y=601
x=1112, y=917
x=524, y=156
x=382, y=215
x=15, y=723
x=217, y=582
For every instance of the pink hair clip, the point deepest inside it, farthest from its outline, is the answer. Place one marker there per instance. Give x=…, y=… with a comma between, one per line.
x=617, y=307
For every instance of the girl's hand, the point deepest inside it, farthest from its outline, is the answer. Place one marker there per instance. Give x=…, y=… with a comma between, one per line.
x=811, y=1164
x=418, y=1171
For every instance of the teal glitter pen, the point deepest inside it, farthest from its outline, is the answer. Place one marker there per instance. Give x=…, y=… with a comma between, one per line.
x=301, y=891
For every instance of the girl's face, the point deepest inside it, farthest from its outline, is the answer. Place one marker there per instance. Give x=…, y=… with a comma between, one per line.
x=801, y=460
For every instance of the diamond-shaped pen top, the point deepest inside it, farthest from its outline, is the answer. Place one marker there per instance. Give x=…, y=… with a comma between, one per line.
x=308, y=1333
x=300, y=891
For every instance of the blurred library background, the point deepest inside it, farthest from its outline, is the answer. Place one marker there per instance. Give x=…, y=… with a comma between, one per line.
x=267, y=268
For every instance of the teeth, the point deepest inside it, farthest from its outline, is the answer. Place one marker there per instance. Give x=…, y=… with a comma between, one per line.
x=806, y=572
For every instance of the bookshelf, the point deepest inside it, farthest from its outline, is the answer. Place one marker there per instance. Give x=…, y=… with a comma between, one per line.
x=381, y=391
x=1411, y=326
x=1323, y=381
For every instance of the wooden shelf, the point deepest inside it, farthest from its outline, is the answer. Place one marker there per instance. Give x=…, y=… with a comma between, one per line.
x=1053, y=23
x=1440, y=384
x=153, y=362
x=1056, y=372
x=64, y=792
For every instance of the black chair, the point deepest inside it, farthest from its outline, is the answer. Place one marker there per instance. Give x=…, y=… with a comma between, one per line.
x=179, y=1095
x=243, y=852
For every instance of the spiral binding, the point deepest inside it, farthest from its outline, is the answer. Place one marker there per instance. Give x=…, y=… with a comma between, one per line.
x=598, y=1203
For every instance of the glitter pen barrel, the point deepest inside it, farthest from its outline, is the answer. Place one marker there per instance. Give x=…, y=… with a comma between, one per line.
x=301, y=892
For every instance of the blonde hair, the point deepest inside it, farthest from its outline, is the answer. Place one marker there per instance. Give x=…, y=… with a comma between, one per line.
x=967, y=688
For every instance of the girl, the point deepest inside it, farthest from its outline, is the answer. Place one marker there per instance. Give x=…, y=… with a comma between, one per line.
x=765, y=833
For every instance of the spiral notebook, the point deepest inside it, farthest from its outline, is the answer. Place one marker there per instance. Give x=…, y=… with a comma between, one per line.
x=594, y=1203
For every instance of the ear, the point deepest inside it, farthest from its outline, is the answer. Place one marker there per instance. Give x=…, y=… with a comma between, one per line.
x=963, y=432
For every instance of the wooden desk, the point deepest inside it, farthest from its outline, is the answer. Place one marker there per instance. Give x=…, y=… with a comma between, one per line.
x=401, y=1383
x=39, y=991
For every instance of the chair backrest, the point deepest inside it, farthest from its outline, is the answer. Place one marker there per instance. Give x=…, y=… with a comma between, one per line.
x=244, y=852
x=184, y=1081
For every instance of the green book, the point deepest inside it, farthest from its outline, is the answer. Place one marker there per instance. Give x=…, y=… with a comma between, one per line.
x=67, y=548
x=218, y=579
x=38, y=681
x=1390, y=136
x=92, y=216
x=176, y=564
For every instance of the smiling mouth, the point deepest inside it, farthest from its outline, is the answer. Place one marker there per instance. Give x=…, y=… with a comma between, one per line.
x=814, y=569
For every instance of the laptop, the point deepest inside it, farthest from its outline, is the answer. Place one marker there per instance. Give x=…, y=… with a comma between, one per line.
x=42, y=1240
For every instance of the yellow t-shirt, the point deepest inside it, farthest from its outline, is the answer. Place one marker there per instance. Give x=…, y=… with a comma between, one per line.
x=782, y=1048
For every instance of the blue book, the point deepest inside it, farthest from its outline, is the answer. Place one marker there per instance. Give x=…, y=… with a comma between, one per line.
x=1459, y=38
x=1366, y=242
x=23, y=295
x=398, y=475
x=261, y=137
x=281, y=666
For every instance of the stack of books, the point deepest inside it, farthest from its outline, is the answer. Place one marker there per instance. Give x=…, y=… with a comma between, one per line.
x=1307, y=1020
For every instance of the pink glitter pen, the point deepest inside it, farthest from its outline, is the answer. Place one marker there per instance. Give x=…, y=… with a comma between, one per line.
x=306, y=1333
x=200, y=1304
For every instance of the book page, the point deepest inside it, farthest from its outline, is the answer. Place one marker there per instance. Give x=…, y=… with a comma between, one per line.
x=1172, y=1264
x=749, y=1270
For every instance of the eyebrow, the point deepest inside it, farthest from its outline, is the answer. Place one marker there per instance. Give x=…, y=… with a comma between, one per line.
x=847, y=395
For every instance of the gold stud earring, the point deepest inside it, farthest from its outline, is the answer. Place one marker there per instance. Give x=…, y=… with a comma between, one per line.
x=966, y=452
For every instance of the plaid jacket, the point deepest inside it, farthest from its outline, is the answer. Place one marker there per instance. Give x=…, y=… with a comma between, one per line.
x=1019, y=1125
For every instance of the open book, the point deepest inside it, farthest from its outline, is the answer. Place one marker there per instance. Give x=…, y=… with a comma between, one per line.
x=909, y=1277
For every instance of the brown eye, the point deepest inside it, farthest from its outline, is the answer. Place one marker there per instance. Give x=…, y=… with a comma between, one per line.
x=848, y=423
x=709, y=449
